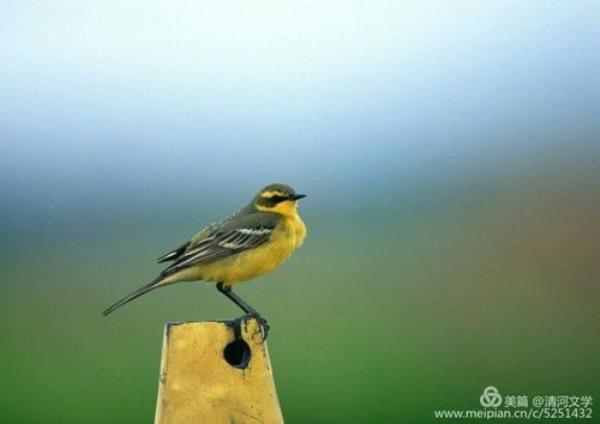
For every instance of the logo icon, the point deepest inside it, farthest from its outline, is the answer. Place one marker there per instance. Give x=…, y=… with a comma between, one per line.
x=490, y=398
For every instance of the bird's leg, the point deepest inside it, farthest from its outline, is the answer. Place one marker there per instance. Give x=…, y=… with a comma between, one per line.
x=241, y=303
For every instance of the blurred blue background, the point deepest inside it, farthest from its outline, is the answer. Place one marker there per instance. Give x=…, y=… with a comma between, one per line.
x=450, y=152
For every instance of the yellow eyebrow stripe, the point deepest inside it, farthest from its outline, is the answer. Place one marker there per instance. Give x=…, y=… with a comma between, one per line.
x=269, y=194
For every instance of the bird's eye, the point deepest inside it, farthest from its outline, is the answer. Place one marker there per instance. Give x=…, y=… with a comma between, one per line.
x=277, y=199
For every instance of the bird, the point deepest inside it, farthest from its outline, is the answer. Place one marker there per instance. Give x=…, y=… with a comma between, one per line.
x=253, y=241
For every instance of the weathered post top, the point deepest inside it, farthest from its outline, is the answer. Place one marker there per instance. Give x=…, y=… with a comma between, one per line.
x=216, y=372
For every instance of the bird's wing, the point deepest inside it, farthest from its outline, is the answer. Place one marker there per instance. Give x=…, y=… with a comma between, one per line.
x=205, y=232
x=218, y=242
x=173, y=254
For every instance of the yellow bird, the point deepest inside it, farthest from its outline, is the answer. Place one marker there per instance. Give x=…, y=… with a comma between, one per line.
x=252, y=242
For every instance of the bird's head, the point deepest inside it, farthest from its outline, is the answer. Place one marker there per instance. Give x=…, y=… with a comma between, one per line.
x=278, y=198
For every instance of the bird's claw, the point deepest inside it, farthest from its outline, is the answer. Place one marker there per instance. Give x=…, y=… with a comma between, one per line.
x=264, y=327
x=262, y=322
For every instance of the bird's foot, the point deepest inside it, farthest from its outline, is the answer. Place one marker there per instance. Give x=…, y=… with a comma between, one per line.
x=262, y=322
x=264, y=327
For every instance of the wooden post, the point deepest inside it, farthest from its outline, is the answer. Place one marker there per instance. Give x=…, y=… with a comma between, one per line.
x=216, y=372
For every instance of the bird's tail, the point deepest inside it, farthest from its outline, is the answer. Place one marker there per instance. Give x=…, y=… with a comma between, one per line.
x=135, y=294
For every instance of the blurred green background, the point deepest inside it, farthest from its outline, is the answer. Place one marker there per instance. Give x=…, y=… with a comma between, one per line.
x=450, y=153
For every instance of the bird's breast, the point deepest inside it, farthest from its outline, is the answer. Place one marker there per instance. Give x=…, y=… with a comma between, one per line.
x=254, y=262
x=299, y=230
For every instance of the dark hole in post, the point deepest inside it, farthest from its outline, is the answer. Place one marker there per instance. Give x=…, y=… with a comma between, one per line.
x=237, y=354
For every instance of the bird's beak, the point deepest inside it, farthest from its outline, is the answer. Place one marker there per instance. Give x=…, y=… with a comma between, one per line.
x=298, y=196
